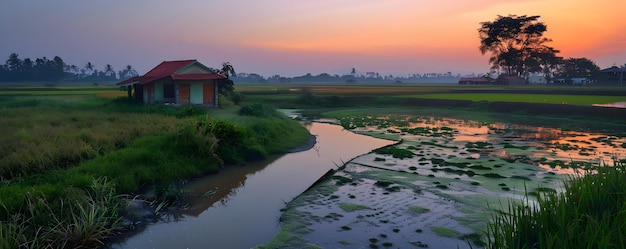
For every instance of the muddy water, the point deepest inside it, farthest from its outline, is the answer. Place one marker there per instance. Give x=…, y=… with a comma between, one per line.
x=240, y=207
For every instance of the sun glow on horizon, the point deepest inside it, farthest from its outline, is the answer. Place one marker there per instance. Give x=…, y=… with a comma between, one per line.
x=427, y=36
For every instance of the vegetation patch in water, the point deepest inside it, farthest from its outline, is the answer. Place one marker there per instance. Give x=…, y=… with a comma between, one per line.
x=418, y=210
x=341, y=180
x=444, y=231
x=479, y=167
x=525, y=178
x=478, y=145
x=351, y=207
x=395, y=152
x=438, y=145
x=511, y=146
x=493, y=175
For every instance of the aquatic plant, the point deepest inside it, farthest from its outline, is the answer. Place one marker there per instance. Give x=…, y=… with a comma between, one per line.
x=395, y=152
x=351, y=207
x=444, y=231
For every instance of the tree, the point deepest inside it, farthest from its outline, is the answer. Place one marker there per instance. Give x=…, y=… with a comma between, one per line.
x=516, y=44
x=578, y=68
x=57, y=71
x=227, y=69
x=128, y=72
x=89, y=68
x=226, y=86
x=13, y=66
x=108, y=71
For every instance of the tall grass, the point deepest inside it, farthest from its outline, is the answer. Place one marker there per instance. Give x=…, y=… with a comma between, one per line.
x=77, y=223
x=38, y=135
x=48, y=195
x=590, y=213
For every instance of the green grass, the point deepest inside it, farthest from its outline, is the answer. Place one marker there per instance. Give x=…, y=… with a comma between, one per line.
x=590, y=213
x=52, y=149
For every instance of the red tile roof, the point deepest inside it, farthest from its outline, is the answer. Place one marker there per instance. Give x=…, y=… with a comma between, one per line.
x=168, y=69
x=198, y=76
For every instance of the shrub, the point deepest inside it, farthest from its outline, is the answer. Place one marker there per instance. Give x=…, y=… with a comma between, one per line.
x=260, y=110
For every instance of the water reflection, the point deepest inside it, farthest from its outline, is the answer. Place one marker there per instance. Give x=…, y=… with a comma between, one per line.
x=616, y=104
x=551, y=148
x=239, y=208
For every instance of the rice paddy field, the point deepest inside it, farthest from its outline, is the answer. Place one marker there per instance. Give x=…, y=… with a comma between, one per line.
x=462, y=155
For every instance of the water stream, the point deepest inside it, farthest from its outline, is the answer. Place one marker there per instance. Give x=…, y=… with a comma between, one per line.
x=245, y=203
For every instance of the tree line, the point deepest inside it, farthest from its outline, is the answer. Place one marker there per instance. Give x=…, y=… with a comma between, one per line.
x=16, y=69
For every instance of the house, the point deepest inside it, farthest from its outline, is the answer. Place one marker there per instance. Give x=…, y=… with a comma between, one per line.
x=614, y=74
x=474, y=81
x=510, y=80
x=580, y=81
x=176, y=82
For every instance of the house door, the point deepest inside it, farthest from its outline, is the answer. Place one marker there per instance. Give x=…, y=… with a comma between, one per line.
x=183, y=93
x=208, y=91
x=151, y=94
x=138, y=94
x=169, y=93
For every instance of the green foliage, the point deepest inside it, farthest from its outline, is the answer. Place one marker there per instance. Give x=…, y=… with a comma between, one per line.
x=168, y=194
x=590, y=213
x=225, y=86
x=260, y=110
x=236, y=97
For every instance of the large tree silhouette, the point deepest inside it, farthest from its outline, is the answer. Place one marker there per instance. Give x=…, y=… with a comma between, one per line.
x=517, y=45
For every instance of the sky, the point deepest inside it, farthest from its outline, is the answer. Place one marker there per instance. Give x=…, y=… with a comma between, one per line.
x=292, y=38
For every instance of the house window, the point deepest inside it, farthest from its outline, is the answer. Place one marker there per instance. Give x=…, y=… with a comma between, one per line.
x=169, y=93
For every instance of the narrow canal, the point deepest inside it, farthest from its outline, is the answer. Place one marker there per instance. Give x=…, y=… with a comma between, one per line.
x=244, y=203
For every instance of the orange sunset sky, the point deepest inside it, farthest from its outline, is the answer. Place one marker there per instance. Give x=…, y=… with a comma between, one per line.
x=290, y=38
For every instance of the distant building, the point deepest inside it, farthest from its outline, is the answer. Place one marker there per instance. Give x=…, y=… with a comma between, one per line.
x=510, y=80
x=176, y=82
x=580, y=81
x=475, y=81
x=614, y=74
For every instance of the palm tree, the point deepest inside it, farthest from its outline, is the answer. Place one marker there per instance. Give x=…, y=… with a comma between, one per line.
x=130, y=71
x=108, y=71
x=89, y=68
x=227, y=69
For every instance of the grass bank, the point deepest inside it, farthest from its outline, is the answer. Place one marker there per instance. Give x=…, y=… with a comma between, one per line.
x=590, y=213
x=568, y=102
x=60, y=156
